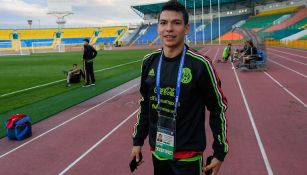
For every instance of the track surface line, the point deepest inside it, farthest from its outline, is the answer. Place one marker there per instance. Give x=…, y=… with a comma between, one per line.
x=67, y=121
x=288, y=53
x=218, y=49
x=301, y=74
x=96, y=144
x=260, y=144
x=284, y=88
x=292, y=60
x=289, y=48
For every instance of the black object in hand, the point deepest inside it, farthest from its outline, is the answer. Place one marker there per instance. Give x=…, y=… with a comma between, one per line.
x=208, y=162
x=134, y=164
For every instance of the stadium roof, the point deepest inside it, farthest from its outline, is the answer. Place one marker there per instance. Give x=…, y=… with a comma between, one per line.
x=155, y=8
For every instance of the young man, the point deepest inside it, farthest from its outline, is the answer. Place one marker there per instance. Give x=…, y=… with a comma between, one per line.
x=226, y=53
x=177, y=84
x=74, y=75
x=251, y=50
x=89, y=54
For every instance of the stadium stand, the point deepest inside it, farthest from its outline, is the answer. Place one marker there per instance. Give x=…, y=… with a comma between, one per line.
x=140, y=32
x=262, y=22
x=227, y=22
x=36, y=34
x=5, y=34
x=111, y=34
x=280, y=11
x=298, y=16
x=76, y=35
x=295, y=36
x=149, y=13
x=47, y=37
x=106, y=40
x=28, y=42
x=285, y=32
x=304, y=38
x=231, y=36
x=28, y=37
x=148, y=36
x=193, y=27
x=5, y=44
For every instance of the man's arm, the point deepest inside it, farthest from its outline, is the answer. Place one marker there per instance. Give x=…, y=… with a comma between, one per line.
x=94, y=52
x=140, y=131
x=217, y=105
x=75, y=70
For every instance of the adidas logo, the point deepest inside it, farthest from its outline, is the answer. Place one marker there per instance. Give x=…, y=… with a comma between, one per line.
x=151, y=72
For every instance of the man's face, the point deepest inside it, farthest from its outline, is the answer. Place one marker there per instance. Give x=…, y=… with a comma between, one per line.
x=171, y=28
x=85, y=43
x=74, y=66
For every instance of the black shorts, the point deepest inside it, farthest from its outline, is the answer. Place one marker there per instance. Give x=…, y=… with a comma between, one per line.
x=75, y=78
x=177, y=167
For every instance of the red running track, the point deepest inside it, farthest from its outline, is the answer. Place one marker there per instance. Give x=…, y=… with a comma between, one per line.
x=267, y=127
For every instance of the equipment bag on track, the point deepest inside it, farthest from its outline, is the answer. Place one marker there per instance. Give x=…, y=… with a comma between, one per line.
x=18, y=127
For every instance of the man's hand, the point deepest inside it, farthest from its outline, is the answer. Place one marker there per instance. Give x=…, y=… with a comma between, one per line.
x=215, y=166
x=136, y=151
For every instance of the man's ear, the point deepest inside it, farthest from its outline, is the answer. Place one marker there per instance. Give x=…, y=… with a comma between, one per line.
x=187, y=28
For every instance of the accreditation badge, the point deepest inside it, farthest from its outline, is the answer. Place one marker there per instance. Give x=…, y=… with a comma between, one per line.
x=165, y=139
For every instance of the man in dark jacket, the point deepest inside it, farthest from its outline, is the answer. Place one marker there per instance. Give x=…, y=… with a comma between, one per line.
x=177, y=85
x=89, y=54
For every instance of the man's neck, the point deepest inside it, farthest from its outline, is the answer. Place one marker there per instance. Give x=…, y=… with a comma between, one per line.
x=170, y=52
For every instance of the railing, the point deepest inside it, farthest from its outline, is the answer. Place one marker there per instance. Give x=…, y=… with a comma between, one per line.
x=299, y=44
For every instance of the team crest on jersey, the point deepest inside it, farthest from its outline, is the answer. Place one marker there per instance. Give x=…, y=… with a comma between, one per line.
x=186, y=75
x=151, y=72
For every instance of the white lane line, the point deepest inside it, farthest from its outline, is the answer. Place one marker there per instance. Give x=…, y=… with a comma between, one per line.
x=218, y=49
x=201, y=51
x=67, y=121
x=97, y=143
x=288, y=59
x=251, y=118
x=301, y=74
x=284, y=88
x=54, y=82
x=207, y=51
x=289, y=48
x=288, y=53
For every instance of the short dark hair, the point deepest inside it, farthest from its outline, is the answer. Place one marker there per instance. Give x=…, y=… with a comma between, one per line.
x=86, y=40
x=251, y=43
x=75, y=64
x=174, y=5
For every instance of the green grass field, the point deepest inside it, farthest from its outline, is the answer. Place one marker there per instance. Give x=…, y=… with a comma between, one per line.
x=22, y=72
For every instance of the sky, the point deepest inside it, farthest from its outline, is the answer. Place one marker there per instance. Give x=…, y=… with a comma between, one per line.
x=15, y=13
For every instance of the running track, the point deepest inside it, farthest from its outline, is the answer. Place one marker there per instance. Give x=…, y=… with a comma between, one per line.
x=266, y=117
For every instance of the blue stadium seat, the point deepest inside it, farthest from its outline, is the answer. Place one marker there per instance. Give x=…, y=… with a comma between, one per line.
x=227, y=23
x=149, y=36
x=73, y=40
x=28, y=42
x=8, y=44
x=106, y=40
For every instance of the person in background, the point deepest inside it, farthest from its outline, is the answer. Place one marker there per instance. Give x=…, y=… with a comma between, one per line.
x=74, y=75
x=226, y=53
x=250, y=52
x=89, y=54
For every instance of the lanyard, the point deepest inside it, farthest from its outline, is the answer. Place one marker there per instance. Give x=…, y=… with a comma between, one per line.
x=177, y=85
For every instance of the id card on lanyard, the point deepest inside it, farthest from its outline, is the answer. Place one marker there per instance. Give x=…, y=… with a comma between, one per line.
x=166, y=126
